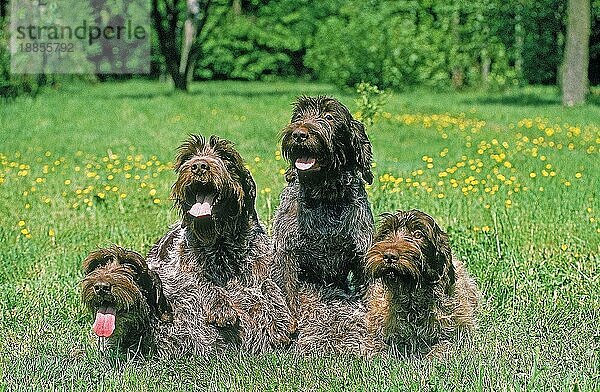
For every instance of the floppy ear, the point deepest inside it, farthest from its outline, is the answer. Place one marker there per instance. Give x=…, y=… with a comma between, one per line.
x=150, y=285
x=156, y=298
x=442, y=259
x=249, y=187
x=362, y=149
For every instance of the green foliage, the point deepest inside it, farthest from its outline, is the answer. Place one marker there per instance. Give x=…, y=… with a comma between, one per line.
x=269, y=38
x=394, y=45
x=370, y=102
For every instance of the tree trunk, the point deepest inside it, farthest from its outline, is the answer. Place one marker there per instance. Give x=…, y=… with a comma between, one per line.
x=237, y=7
x=576, y=56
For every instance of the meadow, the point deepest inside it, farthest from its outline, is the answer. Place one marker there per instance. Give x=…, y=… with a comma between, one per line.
x=513, y=178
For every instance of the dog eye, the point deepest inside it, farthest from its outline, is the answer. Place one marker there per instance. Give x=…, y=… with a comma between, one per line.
x=418, y=234
x=328, y=117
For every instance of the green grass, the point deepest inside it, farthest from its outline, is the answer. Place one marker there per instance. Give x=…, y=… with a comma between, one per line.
x=532, y=243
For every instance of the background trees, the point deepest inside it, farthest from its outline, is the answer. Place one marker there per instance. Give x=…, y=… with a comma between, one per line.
x=575, y=66
x=441, y=44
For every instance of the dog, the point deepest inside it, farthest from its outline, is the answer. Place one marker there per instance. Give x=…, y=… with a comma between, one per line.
x=133, y=315
x=219, y=252
x=422, y=297
x=323, y=226
x=125, y=298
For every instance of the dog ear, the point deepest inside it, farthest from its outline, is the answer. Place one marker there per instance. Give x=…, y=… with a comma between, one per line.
x=157, y=300
x=441, y=264
x=228, y=151
x=362, y=149
x=150, y=285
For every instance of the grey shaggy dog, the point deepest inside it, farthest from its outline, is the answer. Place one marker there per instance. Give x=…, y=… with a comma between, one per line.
x=132, y=314
x=323, y=226
x=215, y=263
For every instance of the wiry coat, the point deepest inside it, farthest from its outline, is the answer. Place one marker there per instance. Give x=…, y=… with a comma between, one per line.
x=422, y=297
x=145, y=322
x=323, y=226
x=330, y=321
x=219, y=261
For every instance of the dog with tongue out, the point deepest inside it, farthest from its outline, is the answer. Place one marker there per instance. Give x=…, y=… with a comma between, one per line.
x=219, y=253
x=125, y=297
x=323, y=226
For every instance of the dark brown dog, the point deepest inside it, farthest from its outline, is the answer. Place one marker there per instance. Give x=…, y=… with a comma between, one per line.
x=125, y=298
x=220, y=250
x=422, y=297
x=323, y=226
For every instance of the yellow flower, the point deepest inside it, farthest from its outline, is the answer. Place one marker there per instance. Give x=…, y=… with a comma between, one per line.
x=123, y=195
x=24, y=231
x=564, y=247
x=577, y=175
x=152, y=192
x=21, y=223
x=67, y=182
x=532, y=174
x=156, y=201
x=51, y=233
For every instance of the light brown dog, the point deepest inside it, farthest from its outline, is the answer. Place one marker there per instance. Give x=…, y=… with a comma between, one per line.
x=422, y=297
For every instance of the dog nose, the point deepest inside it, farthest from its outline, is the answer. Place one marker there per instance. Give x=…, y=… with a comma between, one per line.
x=390, y=256
x=102, y=287
x=199, y=167
x=300, y=134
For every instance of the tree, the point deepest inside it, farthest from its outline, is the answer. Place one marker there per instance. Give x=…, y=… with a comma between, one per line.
x=576, y=56
x=182, y=27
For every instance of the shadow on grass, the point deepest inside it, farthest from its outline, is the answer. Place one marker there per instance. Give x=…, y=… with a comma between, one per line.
x=216, y=89
x=522, y=99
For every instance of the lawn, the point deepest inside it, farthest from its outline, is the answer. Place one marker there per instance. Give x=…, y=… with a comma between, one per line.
x=513, y=178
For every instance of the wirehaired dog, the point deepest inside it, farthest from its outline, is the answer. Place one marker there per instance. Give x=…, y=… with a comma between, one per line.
x=125, y=298
x=423, y=296
x=132, y=314
x=323, y=226
x=220, y=250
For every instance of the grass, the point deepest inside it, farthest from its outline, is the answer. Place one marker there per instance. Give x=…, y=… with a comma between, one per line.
x=514, y=179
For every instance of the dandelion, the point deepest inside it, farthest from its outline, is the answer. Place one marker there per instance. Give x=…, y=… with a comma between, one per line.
x=21, y=223
x=156, y=201
x=51, y=233
x=578, y=175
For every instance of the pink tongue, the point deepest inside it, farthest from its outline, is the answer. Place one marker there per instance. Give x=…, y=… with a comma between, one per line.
x=104, y=326
x=305, y=163
x=201, y=209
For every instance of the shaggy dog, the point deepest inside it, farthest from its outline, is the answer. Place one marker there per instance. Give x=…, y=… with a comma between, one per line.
x=422, y=297
x=323, y=226
x=216, y=259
